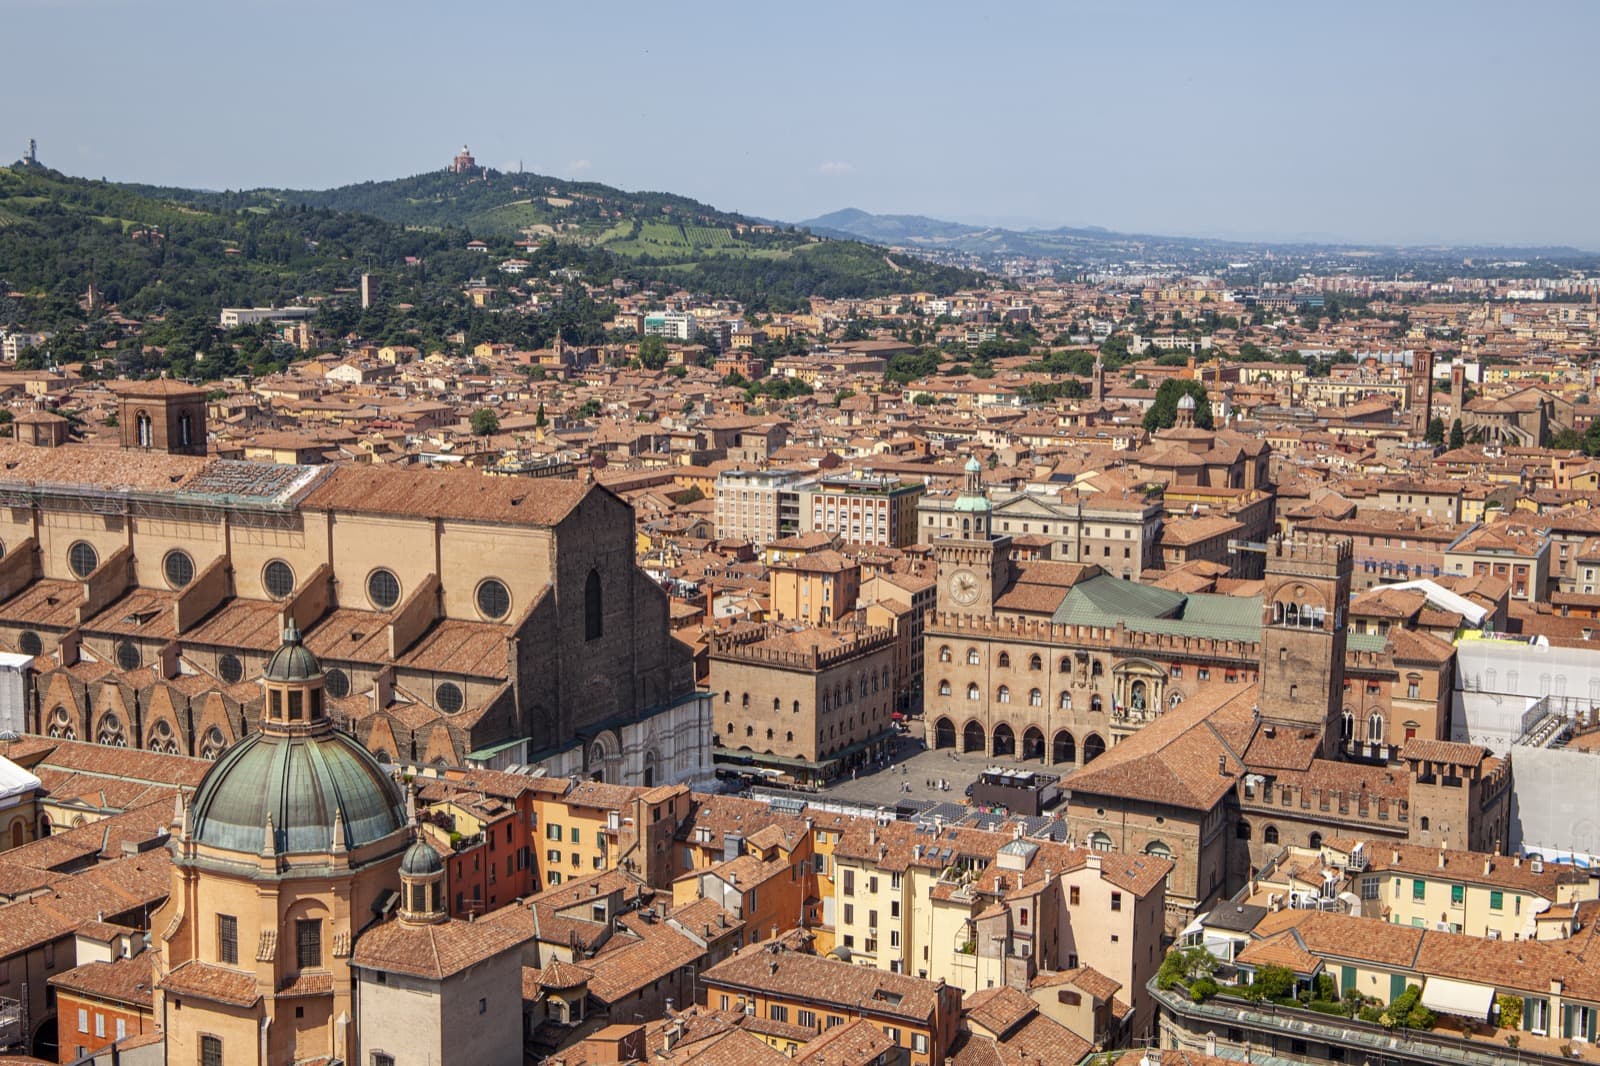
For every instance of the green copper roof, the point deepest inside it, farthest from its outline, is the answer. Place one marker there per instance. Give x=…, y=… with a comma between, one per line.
x=301, y=783
x=972, y=503
x=1374, y=642
x=1105, y=601
x=292, y=661
x=421, y=859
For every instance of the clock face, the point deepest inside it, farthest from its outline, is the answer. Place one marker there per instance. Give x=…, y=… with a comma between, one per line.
x=964, y=587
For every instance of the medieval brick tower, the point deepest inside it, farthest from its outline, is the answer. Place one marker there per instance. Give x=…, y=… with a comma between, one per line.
x=1304, y=604
x=974, y=564
x=1422, y=390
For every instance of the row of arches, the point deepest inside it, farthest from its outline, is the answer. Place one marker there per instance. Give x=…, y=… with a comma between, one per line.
x=1063, y=747
x=159, y=717
x=1270, y=836
x=1035, y=697
x=1100, y=840
x=1374, y=727
x=110, y=731
x=1035, y=662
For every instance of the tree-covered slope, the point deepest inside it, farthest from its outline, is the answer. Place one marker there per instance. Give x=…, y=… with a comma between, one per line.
x=167, y=260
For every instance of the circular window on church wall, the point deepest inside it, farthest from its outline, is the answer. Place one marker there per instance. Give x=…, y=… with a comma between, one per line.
x=278, y=578
x=29, y=643
x=179, y=568
x=128, y=656
x=383, y=589
x=494, y=600
x=336, y=683
x=448, y=698
x=230, y=669
x=83, y=558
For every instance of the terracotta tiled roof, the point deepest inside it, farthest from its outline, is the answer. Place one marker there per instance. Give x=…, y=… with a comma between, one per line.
x=1175, y=759
x=124, y=980
x=855, y=1043
x=446, y=494
x=998, y=1009
x=643, y=952
x=1087, y=978
x=827, y=982
x=562, y=976
x=199, y=980
x=1444, y=751
x=1039, y=1041
x=433, y=951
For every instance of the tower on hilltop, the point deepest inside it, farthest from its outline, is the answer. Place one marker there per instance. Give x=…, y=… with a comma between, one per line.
x=974, y=564
x=463, y=163
x=1304, y=604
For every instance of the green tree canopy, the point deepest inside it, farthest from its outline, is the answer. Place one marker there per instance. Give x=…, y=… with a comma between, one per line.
x=1163, y=413
x=652, y=353
x=1591, y=439
x=1458, y=436
x=485, y=423
x=1435, y=433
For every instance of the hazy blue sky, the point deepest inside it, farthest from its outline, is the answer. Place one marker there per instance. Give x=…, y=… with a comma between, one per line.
x=1397, y=121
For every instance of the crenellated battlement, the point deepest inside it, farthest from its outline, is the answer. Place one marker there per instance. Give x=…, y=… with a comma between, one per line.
x=1357, y=805
x=1312, y=549
x=1116, y=638
x=751, y=646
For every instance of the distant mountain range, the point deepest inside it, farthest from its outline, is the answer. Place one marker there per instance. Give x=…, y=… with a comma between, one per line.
x=1093, y=245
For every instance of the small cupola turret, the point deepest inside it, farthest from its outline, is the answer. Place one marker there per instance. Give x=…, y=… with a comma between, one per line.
x=292, y=685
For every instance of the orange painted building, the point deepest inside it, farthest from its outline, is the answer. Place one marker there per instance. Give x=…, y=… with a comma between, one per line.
x=102, y=1002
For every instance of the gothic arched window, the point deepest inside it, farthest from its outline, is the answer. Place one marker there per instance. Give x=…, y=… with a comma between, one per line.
x=593, y=626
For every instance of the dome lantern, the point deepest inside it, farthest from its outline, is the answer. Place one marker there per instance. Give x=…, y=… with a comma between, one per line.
x=422, y=885
x=292, y=685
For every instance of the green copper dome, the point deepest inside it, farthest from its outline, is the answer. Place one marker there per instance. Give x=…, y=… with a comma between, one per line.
x=301, y=783
x=421, y=860
x=292, y=661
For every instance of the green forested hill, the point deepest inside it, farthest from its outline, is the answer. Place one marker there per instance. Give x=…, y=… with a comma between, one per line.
x=171, y=258
x=652, y=236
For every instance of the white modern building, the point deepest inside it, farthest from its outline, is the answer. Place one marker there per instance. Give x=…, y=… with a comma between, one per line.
x=233, y=317
x=671, y=325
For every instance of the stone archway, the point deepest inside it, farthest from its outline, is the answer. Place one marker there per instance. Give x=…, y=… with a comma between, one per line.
x=944, y=733
x=1005, y=741
x=1033, y=743
x=1093, y=748
x=1064, y=749
x=603, y=758
x=973, y=739
x=45, y=1044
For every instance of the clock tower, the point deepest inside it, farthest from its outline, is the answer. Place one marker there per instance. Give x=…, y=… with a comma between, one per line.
x=974, y=564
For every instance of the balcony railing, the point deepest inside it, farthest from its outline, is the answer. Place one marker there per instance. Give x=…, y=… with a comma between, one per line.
x=10, y=1023
x=1373, y=1041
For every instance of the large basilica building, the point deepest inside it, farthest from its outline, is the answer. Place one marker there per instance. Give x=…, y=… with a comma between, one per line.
x=462, y=618
x=306, y=921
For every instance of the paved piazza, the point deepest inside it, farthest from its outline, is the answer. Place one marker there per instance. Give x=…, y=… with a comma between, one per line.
x=915, y=765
